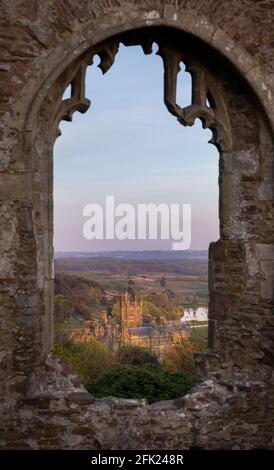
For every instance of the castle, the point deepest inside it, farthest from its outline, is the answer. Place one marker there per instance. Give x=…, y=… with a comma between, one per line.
x=129, y=328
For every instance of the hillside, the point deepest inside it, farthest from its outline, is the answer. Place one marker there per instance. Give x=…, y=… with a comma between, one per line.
x=77, y=297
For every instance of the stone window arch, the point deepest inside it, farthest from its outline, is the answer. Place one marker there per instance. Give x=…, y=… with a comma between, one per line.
x=232, y=97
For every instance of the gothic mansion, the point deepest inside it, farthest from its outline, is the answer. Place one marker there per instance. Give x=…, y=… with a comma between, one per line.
x=130, y=329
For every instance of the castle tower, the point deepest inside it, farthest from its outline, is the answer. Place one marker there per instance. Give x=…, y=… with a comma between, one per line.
x=131, y=311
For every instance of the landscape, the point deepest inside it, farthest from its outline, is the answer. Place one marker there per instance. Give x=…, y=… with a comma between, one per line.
x=130, y=322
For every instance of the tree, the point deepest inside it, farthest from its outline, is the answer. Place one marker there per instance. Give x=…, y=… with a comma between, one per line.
x=136, y=356
x=194, y=304
x=145, y=381
x=163, y=281
x=180, y=358
x=199, y=338
x=62, y=307
x=90, y=359
x=151, y=311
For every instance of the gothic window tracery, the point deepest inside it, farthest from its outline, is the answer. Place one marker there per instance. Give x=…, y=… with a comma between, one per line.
x=206, y=102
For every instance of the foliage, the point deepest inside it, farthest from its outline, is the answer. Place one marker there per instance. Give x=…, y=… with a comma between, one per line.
x=89, y=359
x=146, y=381
x=136, y=356
x=180, y=358
x=162, y=304
x=133, y=373
x=77, y=297
x=199, y=338
x=62, y=306
x=162, y=281
x=150, y=310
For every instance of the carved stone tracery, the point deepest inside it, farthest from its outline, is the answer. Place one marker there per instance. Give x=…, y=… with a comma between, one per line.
x=77, y=100
x=206, y=103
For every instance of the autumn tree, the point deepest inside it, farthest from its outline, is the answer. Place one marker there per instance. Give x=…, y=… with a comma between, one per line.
x=180, y=358
x=89, y=359
x=136, y=356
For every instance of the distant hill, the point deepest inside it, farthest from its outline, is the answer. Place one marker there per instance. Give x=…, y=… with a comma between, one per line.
x=137, y=255
x=77, y=297
x=131, y=267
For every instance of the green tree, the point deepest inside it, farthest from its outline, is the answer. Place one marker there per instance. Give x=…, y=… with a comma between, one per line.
x=62, y=306
x=89, y=359
x=151, y=310
x=136, y=356
x=154, y=384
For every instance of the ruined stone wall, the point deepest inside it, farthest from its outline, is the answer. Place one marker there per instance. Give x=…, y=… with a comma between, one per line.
x=43, y=404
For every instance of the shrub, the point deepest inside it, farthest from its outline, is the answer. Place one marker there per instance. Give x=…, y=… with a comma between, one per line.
x=179, y=359
x=163, y=282
x=90, y=359
x=152, y=383
x=136, y=356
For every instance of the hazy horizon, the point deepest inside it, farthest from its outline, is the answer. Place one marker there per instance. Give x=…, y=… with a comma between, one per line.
x=117, y=250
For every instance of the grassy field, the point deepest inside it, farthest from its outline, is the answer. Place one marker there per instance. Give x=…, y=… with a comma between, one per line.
x=184, y=278
x=199, y=332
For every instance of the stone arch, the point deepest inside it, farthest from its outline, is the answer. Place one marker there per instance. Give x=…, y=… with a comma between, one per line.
x=205, y=84
x=94, y=31
x=241, y=263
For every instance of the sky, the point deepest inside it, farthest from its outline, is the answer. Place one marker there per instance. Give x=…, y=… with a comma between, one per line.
x=129, y=146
